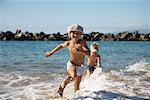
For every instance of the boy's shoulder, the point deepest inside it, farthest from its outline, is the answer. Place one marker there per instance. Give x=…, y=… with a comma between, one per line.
x=81, y=41
x=67, y=41
x=66, y=44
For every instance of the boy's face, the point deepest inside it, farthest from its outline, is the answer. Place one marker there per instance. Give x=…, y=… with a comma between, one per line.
x=94, y=50
x=75, y=35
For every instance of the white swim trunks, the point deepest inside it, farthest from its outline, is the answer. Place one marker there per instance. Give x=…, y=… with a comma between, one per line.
x=79, y=69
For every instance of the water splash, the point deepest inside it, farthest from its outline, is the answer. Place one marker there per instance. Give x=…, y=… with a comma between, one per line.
x=130, y=84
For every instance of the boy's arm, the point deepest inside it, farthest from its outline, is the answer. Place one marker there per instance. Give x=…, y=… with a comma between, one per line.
x=99, y=61
x=86, y=50
x=60, y=46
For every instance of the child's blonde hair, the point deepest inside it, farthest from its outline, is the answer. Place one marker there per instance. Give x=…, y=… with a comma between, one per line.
x=94, y=47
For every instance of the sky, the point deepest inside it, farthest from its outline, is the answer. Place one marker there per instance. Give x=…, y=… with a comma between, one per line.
x=51, y=16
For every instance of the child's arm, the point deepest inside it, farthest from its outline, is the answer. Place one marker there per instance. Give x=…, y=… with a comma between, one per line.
x=99, y=61
x=85, y=50
x=60, y=46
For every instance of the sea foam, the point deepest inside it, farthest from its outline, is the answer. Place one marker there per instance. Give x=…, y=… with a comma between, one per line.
x=133, y=84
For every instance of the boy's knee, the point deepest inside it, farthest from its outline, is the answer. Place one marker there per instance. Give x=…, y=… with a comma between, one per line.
x=73, y=77
x=70, y=78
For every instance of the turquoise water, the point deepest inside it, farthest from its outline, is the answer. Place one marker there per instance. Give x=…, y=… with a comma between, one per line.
x=26, y=56
x=23, y=66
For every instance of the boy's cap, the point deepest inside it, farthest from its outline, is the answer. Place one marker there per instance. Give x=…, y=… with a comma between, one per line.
x=76, y=28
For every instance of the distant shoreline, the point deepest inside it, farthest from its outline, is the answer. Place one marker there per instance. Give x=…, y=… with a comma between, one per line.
x=93, y=36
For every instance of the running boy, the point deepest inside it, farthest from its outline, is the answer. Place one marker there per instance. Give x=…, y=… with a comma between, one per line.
x=78, y=50
x=94, y=60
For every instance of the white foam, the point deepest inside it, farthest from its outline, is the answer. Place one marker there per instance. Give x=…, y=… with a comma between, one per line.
x=40, y=91
x=88, y=83
x=114, y=85
x=137, y=66
x=19, y=87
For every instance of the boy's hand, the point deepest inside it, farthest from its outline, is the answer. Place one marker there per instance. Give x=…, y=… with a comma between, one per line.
x=48, y=54
x=75, y=49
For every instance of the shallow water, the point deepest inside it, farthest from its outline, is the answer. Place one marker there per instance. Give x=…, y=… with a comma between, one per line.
x=25, y=74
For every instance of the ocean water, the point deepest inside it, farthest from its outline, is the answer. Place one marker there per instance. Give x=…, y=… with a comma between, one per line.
x=25, y=74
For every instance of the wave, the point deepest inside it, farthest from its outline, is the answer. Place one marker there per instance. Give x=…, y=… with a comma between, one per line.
x=130, y=83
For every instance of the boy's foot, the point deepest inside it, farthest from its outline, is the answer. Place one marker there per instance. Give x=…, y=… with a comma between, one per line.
x=60, y=91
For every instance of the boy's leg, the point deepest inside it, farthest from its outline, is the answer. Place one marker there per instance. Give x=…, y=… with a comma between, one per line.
x=88, y=73
x=66, y=81
x=71, y=77
x=72, y=72
x=77, y=83
x=63, y=85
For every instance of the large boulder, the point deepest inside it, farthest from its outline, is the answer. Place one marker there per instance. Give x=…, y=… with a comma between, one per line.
x=125, y=36
x=145, y=37
x=95, y=36
x=55, y=37
x=5, y=36
x=20, y=36
x=18, y=31
x=65, y=37
x=39, y=36
x=86, y=37
x=51, y=37
x=108, y=37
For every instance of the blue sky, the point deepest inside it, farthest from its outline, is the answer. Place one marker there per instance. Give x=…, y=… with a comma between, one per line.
x=94, y=15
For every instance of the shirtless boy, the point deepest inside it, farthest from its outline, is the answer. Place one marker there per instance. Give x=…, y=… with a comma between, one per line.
x=94, y=60
x=78, y=50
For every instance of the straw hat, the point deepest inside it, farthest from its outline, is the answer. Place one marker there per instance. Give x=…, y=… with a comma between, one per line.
x=76, y=28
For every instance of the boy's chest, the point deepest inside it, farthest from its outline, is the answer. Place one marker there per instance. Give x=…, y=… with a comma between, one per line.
x=93, y=58
x=78, y=46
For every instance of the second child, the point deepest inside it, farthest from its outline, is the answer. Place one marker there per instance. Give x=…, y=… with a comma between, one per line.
x=94, y=60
